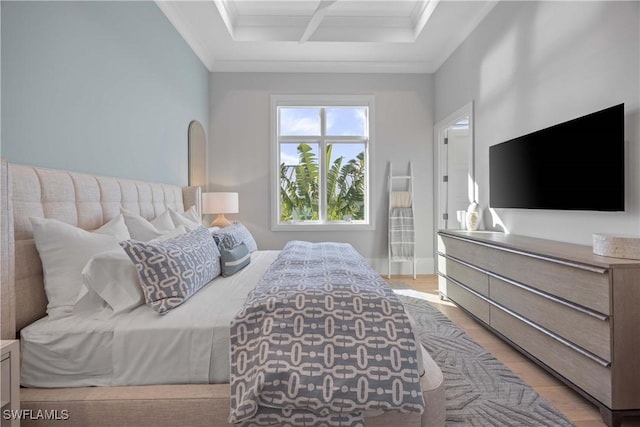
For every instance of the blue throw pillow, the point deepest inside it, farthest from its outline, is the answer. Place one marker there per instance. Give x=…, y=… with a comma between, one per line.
x=231, y=236
x=234, y=259
x=171, y=271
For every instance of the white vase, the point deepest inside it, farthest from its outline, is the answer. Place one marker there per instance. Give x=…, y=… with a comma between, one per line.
x=473, y=216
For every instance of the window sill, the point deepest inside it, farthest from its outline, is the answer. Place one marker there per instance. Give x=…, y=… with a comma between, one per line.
x=316, y=226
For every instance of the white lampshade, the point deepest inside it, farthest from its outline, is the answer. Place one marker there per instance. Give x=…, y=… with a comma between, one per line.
x=220, y=203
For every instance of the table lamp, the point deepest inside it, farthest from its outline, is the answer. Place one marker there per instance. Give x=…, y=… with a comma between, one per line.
x=220, y=203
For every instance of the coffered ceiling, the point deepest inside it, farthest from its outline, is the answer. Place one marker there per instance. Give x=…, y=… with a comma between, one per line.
x=406, y=36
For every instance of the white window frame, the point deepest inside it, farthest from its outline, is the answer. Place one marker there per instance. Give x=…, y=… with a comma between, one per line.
x=320, y=101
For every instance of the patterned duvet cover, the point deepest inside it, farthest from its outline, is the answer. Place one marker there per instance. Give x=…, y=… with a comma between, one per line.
x=321, y=340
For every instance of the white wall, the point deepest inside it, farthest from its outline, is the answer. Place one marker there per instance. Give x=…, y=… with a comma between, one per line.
x=239, y=153
x=106, y=88
x=530, y=65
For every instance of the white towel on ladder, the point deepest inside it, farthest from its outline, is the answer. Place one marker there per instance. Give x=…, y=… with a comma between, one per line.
x=400, y=199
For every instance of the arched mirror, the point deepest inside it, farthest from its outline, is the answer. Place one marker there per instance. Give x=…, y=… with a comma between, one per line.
x=197, y=155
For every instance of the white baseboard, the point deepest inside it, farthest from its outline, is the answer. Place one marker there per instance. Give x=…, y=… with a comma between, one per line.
x=423, y=266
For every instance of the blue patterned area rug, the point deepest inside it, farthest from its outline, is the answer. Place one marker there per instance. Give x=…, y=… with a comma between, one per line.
x=480, y=390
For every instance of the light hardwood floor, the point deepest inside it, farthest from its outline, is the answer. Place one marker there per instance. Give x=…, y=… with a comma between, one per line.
x=580, y=411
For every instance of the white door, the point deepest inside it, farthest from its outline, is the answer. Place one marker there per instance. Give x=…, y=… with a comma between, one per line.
x=454, y=172
x=457, y=184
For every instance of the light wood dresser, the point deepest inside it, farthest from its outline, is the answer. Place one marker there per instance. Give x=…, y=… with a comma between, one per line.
x=574, y=313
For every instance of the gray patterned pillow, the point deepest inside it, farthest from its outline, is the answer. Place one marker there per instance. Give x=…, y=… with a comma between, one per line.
x=234, y=259
x=231, y=236
x=170, y=271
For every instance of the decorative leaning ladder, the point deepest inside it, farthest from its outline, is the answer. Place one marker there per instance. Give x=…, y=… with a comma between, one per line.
x=402, y=243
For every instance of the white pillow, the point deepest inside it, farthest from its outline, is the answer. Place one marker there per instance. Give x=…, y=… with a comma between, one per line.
x=113, y=277
x=110, y=280
x=179, y=230
x=189, y=218
x=116, y=228
x=64, y=250
x=144, y=230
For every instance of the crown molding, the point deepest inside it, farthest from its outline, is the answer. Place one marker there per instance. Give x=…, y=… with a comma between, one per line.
x=180, y=23
x=415, y=67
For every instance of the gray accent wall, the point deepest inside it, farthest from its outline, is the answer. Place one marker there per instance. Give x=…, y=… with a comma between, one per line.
x=106, y=88
x=530, y=65
x=240, y=141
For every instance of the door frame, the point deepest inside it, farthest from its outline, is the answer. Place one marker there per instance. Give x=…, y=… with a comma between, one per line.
x=440, y=161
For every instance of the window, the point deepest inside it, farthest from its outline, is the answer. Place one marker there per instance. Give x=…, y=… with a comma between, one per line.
x=321, y=162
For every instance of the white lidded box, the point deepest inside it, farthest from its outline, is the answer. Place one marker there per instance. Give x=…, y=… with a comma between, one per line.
x=616, y=246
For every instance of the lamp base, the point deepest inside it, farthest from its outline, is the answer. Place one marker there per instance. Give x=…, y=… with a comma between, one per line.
x=220, y=221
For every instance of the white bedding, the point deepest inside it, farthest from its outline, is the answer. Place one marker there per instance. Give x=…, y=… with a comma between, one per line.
x=142, y=347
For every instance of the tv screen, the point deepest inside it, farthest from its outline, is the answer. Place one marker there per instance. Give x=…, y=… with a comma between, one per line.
x=575, y=165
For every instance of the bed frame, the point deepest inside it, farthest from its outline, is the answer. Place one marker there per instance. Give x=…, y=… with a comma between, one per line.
x=88, y=201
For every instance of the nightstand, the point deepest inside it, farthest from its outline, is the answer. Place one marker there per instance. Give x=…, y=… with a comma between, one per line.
x=10, y=382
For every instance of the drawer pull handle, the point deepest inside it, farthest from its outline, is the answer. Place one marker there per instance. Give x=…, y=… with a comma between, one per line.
x=541, y=257
x=600, y=361
x=576, y=307
x=553, y=298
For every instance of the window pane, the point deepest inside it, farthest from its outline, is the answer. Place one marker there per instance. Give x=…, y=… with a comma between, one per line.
x=346, y=182
x=299, y=121
x=347, y=121
x=299, y=182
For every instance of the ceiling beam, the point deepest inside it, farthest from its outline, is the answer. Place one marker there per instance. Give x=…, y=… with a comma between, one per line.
x=316, y=19
x=429, y=7
x=226, y=14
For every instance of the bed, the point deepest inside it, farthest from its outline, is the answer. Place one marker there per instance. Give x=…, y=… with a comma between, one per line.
x=88, y=202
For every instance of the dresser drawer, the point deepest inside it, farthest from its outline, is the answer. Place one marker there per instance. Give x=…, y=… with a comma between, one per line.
x=467, y=300
x=586, y=373
x=582, y=286
x=591, y=331
x=469, y=252
x=476, y=280
x=5, y=382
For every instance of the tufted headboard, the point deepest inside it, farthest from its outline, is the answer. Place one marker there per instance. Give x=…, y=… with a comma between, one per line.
x=83, y=200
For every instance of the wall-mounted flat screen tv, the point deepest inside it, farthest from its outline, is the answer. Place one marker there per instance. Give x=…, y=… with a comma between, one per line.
x=575, y=165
